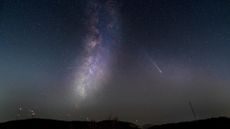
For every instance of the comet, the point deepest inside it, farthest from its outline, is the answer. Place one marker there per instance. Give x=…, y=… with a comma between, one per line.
x=155, y=65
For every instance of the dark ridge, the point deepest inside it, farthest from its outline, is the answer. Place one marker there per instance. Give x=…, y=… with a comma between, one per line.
x=216, y=123
x=106, y=124
x=34, y=124
x=58, y=124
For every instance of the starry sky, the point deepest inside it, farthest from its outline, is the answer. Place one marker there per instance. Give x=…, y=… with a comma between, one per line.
x=141, y=61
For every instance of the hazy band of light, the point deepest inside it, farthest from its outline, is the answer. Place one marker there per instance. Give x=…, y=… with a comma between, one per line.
x=97, y=57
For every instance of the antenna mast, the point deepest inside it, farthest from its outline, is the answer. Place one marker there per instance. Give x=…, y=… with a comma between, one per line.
x=192, y=109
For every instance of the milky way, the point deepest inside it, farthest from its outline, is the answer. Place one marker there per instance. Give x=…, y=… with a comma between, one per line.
x=101, y=36
x=137, y=60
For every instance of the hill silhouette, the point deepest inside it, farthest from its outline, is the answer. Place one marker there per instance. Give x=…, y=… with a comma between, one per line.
x=216, y=123
x=56, y=124
x=212, y=123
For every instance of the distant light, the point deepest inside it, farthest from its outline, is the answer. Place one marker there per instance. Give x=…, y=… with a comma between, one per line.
x=20, y=108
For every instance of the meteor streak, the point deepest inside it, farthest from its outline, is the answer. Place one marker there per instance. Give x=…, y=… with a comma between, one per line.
x=154, y=63
x=157, y=67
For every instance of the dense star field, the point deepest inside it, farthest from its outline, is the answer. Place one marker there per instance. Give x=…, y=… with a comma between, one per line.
x=142, y=61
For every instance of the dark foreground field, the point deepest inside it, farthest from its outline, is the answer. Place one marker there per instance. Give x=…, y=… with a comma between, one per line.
x=217, y=123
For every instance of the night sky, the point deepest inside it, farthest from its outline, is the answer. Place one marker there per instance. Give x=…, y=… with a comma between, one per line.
x=141, y=61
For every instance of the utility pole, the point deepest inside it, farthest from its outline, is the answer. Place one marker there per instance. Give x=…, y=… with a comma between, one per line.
x=192, y=109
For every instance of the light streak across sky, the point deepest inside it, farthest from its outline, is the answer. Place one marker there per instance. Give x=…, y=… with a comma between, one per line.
x=155, y=65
